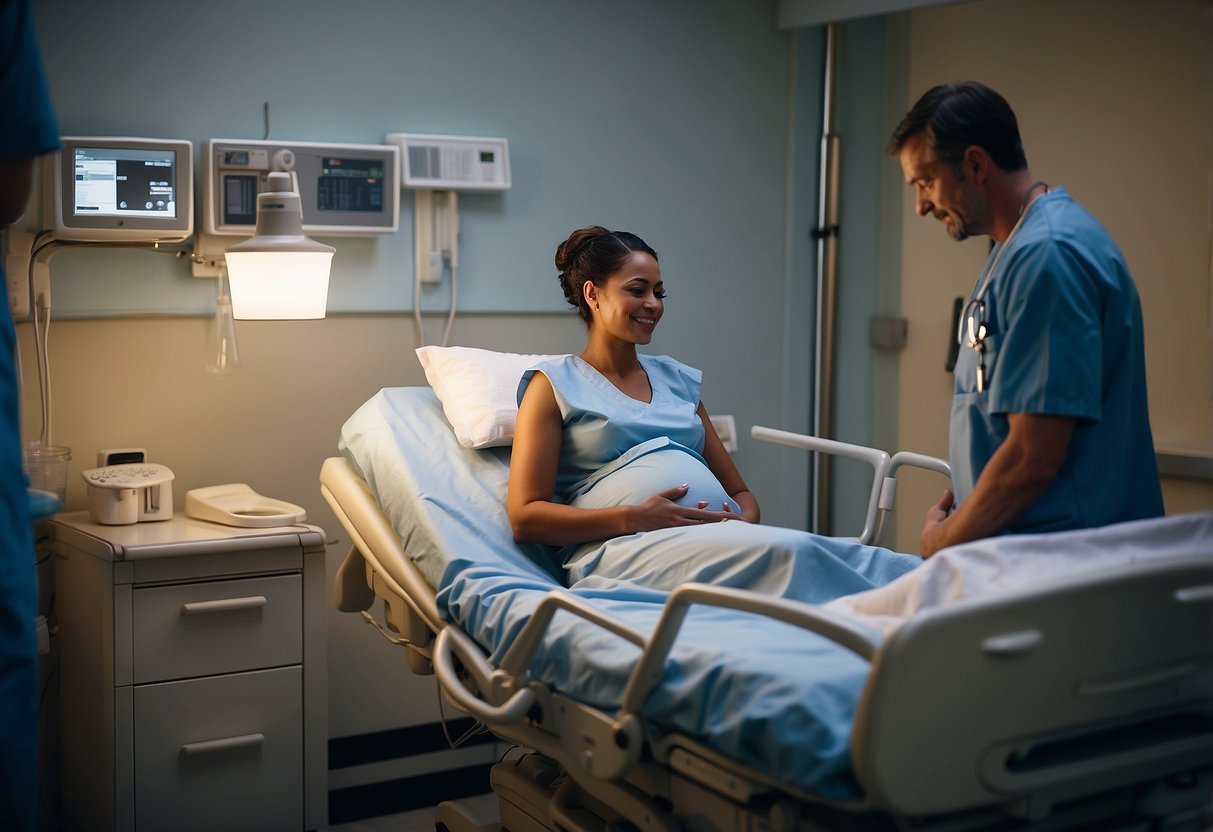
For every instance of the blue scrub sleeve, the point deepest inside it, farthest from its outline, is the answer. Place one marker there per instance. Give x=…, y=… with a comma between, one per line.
x=27, y=128
x=1048, y=354
x=29, y=124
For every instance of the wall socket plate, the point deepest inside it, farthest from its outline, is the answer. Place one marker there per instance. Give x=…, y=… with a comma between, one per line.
x=888, y=333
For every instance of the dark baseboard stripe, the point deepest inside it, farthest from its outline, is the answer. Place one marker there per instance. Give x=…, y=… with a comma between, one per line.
x=396, y=743
x=392, y=796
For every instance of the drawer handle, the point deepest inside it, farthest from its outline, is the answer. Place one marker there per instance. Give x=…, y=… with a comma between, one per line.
x=225, y=744
x=224, y=605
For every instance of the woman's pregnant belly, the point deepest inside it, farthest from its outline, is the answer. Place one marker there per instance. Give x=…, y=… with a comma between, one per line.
x=655, y=472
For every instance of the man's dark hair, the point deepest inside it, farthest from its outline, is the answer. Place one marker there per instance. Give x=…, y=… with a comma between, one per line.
x=957, y=116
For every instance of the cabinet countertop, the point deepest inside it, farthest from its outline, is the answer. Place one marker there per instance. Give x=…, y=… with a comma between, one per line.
x=178, y=536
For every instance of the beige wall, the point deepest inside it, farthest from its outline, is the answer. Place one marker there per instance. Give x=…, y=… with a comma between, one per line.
x=1114, y=102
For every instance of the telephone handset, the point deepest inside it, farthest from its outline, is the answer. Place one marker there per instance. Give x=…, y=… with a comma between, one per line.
x=130, y=493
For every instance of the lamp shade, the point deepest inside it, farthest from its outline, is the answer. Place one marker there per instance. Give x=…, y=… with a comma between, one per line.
x=278, y=273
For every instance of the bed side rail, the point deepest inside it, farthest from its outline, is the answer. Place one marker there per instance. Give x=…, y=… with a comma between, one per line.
x=1044, y=696
x=597, y=743
x=883, y=493
x=587, y=742
x=879, y=460
x=651, y=667
x=505, y=698
x=453, y=644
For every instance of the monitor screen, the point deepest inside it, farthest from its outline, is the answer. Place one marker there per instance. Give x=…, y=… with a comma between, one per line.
x=350, y=185
x=122, y=189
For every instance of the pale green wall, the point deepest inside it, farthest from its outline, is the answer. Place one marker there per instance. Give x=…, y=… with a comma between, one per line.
x=669, y=119
x=664, y=118
x=695, y=124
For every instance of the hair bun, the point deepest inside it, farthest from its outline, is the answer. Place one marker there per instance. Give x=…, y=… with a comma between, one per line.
x=567, y=251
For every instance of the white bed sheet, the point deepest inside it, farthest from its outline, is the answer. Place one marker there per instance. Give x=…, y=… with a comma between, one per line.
x=1006, y=564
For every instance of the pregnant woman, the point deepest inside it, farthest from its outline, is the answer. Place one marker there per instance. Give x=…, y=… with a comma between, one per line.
x=616, y=461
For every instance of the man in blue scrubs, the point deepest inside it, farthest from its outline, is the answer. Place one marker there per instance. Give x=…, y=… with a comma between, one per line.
x=27, y=129
x=1050, y=428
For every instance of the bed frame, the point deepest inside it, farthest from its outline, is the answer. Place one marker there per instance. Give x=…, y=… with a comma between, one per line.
x=1114, y=716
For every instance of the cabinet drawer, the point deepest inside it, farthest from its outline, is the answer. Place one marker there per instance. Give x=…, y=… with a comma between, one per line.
x=212, y=627
x=224, y=752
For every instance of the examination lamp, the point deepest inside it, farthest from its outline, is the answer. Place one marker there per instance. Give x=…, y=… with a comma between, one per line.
x=279, y=274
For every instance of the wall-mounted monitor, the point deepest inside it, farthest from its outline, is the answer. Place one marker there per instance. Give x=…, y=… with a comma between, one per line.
x=112, y=189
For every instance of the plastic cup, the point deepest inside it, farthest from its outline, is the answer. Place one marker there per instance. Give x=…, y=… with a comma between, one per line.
x=46, y=468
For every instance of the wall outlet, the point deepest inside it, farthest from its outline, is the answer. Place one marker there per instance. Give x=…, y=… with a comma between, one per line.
x=888, y=333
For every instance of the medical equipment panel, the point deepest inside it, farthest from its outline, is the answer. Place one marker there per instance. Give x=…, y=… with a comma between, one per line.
x=105, y=189
x=345, y=189
x=454, y=163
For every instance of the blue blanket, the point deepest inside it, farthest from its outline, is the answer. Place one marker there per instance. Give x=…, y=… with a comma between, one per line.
x=770, y=695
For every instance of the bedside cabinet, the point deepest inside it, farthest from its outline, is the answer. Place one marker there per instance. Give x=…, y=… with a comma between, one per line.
x=193, y=690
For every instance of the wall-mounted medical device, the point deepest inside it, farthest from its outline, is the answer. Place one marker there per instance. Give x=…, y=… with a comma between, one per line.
x=453, y=163
x=431, y=163
x=344, y=189
x=113, y=189
x=119, y=495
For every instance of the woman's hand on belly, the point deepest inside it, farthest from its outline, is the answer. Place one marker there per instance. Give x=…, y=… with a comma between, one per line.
x=662, y=511
x=726, y=507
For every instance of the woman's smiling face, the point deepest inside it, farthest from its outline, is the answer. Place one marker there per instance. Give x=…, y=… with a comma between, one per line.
x=633, y=300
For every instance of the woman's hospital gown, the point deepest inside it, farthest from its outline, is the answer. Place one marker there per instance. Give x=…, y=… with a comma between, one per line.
x=619, y=450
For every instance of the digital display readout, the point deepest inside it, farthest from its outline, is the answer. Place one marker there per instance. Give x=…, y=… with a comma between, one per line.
x=124, y=182
x=347, y=184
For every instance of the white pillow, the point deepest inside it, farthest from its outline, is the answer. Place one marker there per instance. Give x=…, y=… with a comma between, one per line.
x=478, y=390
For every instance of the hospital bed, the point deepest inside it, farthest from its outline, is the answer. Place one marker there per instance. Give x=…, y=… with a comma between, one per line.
x=1076, y=697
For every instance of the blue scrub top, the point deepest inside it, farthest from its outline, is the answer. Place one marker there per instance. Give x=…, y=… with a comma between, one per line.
x=1066, y=340
x=27, y=128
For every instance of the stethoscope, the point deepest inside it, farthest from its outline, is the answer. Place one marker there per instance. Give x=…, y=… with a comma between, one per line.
x=971, y=331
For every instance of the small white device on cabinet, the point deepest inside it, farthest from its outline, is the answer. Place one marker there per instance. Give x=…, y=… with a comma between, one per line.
x=236, y=504
x=119, y=495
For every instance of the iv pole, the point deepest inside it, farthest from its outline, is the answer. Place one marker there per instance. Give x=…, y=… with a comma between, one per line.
x=827, y=273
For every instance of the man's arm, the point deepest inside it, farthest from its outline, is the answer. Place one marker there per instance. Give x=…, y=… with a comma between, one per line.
x=1015, y=477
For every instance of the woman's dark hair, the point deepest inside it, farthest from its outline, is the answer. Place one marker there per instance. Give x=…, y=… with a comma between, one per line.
x=957, y=116
x=593, y=254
